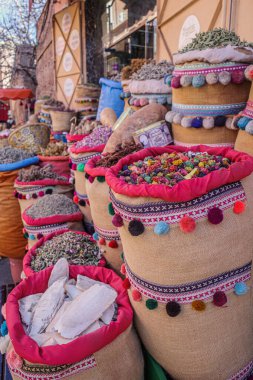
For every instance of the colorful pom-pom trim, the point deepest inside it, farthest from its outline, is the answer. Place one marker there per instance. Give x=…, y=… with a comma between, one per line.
x=136, y=227
x=161, y=228
x=215, y=215
x=219, y=298
x=207, y=122
x=198, y=305
x=239, y=207
x=151, y=304
x=187, y=224
x=173, y=308
x=101, y=179
x=117, y=220
x=35, y=195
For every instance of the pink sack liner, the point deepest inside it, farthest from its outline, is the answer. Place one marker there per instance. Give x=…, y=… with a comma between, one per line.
x=53, y=158
x=74, y=138
x=87, y=149
x=241, y=167
x=32, y=252
x=80, y=348
x=43, y=182
x=90, y=168
x=54, y=219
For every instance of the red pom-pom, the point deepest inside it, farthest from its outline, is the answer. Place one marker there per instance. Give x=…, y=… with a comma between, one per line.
x=113, y=244
x=136, y=295
x=187, y=224
x=87, y=202
x=75, y=199
x=175, y=82
x=102, y=241
x=126, y=284
x=219, y=298
x=123, y=269
x=117, y=221
x=74, y=166
x=237, y=77
x=91, y=179
x=215, y=215
x=239, y=207
x=41, y=193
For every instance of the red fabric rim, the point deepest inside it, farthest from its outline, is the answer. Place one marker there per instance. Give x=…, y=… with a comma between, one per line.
x=80, y=348
x=53, y=158
x=43, y=182
x=28, y=257
x=54, y=219
x=87, y=149
x=94, y=171
x=73, y=138
x=186, y=190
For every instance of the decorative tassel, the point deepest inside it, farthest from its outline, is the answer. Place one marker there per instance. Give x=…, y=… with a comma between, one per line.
x=249, y=127
x=197, y=122
x=198, y=305
x=219, y=121
x=126, y=284
x=151, y=304
x=186, y=122
x=215, y=215
x=187, y=224
x=101, y=179
x=219, y=298
x=177, y=118
x=173, y=308
x=117, y=220
x=237, y=77
x=242, y=122
x=102, y=241
x=95, y=236
x=4, y=328
x=175, y=82
x=212, y=78
x=198, y=81
x=136, y=295
x=123, y=269
x=82, y=203
x=113, y=244
x=75, y=199
x=80, y=167
x=241, y=288
x=91, y=179
x=49, y=191
x=239, y=207
x=186, y=80
x=208, y=122
x=111, y=209
x=224, y=78
x=169, y=116
x=161, y=228
x=136, y=227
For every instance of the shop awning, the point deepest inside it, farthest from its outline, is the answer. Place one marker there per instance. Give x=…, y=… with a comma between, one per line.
x=15, y=93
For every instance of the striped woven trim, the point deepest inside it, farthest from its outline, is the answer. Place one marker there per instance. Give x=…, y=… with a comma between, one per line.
x=187, y=145
x=186, y=293
x=107, y=234
x=82, y=196
x=208, y=110
x=248, y=111
x=48, y=229
x=206, y=69
x=149, y=214
x=85, y=159
x=244, y=372
x=33, y=189
x=29, y=372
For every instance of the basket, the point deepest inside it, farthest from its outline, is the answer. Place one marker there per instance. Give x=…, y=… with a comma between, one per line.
x=30, y=137
x=61, y=120
x=83, y=90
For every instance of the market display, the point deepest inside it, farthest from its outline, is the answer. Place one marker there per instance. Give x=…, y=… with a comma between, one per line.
x=186, y=290
x=209, y=87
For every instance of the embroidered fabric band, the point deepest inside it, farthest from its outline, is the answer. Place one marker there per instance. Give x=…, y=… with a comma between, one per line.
x=206, y=69
x=208, y=110
x=82, y=196
x=53, y=373
x=248, y=111
x=83, y=160
x=179, y=143
x=186, y=293
x=149, y=214
x=244, y=372
x=107, y=234
x=46, y=229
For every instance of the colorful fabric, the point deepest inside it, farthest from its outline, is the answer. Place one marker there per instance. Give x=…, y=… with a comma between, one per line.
x=107, y=234
x=206, y=68
x=208, y=110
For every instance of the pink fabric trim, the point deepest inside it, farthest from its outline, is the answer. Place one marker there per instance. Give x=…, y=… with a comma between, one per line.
x=54, y=219
x=53, y=158
x=187, y=145
x=43, y=182
x=80, y=348
x=74, y=138
x=241, y=167
x=87, y=149
x=32, y=252
x=91, y=169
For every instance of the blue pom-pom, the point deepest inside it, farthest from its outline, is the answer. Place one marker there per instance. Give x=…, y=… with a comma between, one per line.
x=242, y=122
x=197, y=122
x=4, y=329
x=198, y=81
x=220, y=121
x=32, y=237
x=241, y=288
x=95, y=236
x=249, y=127
x=161, y=228
x=167, y=79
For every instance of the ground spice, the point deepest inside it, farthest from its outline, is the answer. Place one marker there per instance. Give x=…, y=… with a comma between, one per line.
x=153, y=71
x=55, y=204
x=99, y=136
x=171, y=168
x=36, y=173
x=110, y=159
x=84, y=127
x=9, y=155
x=58, y=148
x=78, y=249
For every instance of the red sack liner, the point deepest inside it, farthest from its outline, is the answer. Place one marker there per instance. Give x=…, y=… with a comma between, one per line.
x=241, y=167
x=44, y=182
x=80, y=348
x=87, y=149
x=94, y=171
x=53, y=158
x=32, y=252
x=75, y=138
x=53, y=219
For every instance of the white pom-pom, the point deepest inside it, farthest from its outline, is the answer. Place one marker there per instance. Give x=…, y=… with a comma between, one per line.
x=4, y=343
x=228, y=123
x=169, y=116
x=249, y=73
x=186, y=80
x=28, y=196
x=177, y=118
x=186, y=122
x=224, y=77
x=208, y=122
x=234, y=121
x=23, y=276
x=212, y=78
x=249, y=127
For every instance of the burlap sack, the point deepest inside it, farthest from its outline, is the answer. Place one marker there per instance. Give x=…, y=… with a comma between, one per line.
x=217, y=136
x=112, y=352
x=12, y=241
x=107, y=235
x=244, y=142
x=186, y=267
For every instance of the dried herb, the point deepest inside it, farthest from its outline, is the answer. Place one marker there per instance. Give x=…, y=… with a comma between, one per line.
x=110, y=159
x=55, y=204
x=153, y=71
x=35, y=173
x=9, y=155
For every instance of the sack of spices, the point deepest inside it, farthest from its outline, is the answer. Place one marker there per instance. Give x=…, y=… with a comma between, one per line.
x=186, y=231
x=109, y=351
x=209, y=87
x=77, y=247
x=49, y=214
x=12, y=242
x=106, y=233
x=35, y=182
x=57, y=155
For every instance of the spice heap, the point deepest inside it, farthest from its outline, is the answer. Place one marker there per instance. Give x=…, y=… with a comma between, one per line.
x=218, y=37
x=56, y=204
x=9, y=155
x=110, y=159
x=169, y=169
x=99, y=136
x=77, y=249
x=36, y=173
x=55, y=149
x=84, y=127
x=153, y=71
x=54, y=103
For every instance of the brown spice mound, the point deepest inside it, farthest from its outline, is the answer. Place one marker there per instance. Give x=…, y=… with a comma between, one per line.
x=110, y=159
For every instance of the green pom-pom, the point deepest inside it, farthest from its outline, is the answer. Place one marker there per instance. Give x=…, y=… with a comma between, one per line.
x=80, y=167
x=110, y=209
x=101, y=178
x=122, y=256
x=151, y=304
x=26, y=235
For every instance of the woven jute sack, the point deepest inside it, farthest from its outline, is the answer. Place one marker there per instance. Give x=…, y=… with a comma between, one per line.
x=79, y=157
x=112, y=352
x=106, y=233
x=12, y=241
x=205, y=249
x=217, y=136
x=244, y=142
x=35, y=229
